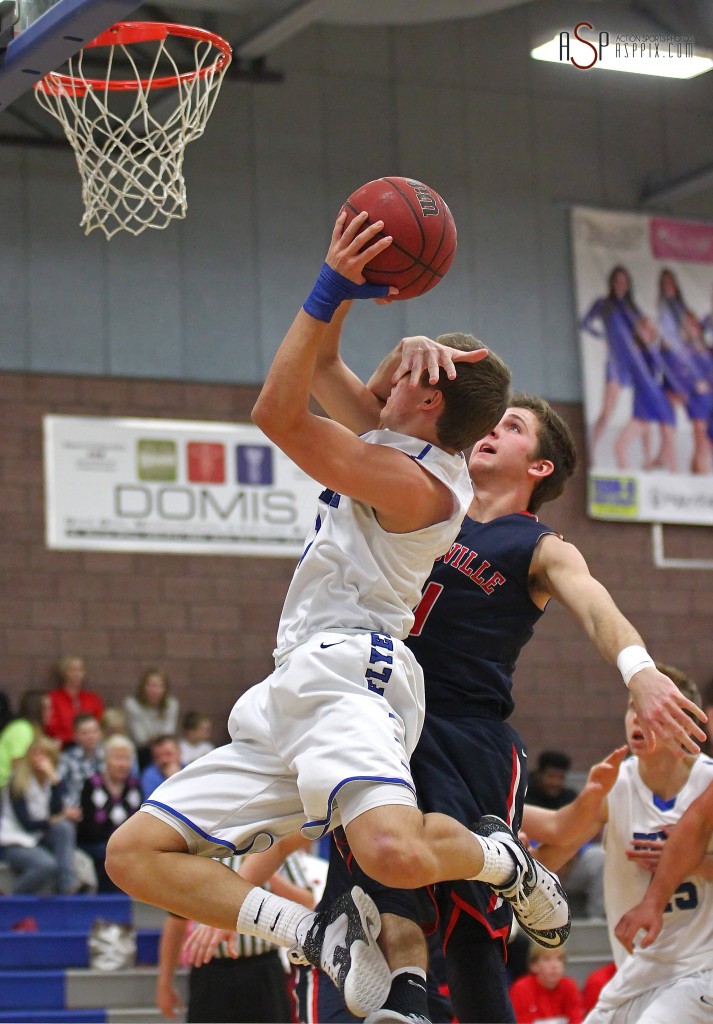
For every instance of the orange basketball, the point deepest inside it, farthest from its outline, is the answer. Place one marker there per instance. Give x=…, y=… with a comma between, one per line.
x=423, y=231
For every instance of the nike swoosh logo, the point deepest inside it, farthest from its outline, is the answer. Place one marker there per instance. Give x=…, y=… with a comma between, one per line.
x=423, y=987
x=706, y=1001
x=274, y=923
x=258, y=913
x=325, y=646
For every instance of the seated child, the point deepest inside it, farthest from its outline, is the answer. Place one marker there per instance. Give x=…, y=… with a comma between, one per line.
x=545, y=994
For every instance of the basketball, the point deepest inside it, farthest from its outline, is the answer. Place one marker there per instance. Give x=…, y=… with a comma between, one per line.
x=422, y=228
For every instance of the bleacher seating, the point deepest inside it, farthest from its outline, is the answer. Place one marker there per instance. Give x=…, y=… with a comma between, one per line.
x=45, y=974
x=44, y=971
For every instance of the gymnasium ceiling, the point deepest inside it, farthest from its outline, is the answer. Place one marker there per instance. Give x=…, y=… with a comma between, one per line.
x=262, y=25
x=258, y=28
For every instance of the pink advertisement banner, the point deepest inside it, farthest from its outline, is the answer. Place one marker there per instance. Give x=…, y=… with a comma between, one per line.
x=644, y=297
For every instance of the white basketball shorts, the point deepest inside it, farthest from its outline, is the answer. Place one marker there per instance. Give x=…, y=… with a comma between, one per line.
x=324, y=738
x=688, y=1000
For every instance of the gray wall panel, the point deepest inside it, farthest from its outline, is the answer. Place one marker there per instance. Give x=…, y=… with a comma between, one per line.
x=67, y=294
x=219, y=282
x=145, y=303
x=15, y=282
x=294, y=224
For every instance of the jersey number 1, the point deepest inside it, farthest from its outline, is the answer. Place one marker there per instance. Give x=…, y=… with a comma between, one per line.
x=425, y=607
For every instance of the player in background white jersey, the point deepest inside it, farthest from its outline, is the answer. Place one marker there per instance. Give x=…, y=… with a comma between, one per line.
x=666, y=980
x=688, y=851
x=327, y=737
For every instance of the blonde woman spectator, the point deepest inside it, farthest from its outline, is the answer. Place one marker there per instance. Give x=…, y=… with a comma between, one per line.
x=113, y=723
x=71, y=698
x=108, y=798
x=15, y=738
x=195, y=741
x=37, y=834
x=151, y=712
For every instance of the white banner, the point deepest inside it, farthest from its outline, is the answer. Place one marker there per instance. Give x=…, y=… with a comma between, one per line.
x=174, y=486
x=645, y=309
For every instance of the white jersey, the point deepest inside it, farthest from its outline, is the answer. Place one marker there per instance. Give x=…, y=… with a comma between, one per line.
x=354, y=575
x=685, y=943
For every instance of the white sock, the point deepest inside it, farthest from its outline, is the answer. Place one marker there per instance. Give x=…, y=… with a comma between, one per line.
x=498, y=863
x=271, y=917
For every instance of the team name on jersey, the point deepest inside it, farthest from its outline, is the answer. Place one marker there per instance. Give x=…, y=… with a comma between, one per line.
x=462, y=558
x=379, y=661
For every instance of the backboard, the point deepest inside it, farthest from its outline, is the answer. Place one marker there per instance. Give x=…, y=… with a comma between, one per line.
x=46, y=33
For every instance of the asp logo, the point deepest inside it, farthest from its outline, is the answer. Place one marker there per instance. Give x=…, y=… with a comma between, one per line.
x=594, y=49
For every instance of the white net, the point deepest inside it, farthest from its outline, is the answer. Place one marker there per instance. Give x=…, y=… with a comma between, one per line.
x=129, y=133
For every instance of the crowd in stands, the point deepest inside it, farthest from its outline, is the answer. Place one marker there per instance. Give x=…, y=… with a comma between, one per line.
x=72, y=770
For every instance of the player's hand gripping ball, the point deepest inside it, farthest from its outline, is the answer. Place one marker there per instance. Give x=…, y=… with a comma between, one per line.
x=422, y=228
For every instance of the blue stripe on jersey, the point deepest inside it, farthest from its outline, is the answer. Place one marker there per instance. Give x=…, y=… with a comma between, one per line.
x=664, y=805
x=323, y=823
x=205, y=835
x=422, y=454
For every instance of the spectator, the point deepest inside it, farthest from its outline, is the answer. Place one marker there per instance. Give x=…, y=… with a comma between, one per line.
x=584, y=874
x=546, y=994
x=166, y=761
x=70, y=699
x=196, y=736
x=113, y=723
x=595, y=982
x=84, y=758
x=37, y=834
x=546, y=787
x=108, y=798
x=15, y=739
x=151, y=712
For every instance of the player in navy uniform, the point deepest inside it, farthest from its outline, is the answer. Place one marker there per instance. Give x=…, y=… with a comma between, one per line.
x=478, y=609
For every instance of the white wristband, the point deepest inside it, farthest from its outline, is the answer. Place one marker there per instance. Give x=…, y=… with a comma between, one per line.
x=631, y=660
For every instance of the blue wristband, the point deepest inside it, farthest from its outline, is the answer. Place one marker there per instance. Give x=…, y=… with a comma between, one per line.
x=331, y=289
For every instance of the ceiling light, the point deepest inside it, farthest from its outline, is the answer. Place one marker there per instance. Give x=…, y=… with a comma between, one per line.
x=652, y=53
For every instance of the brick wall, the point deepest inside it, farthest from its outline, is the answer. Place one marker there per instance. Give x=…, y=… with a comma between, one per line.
x=211, y=620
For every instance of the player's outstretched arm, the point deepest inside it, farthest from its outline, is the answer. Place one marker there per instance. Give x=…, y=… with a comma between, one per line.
x=559, y=571
x=404, y=495
x=356, y=405
x=578, y=821
x=412, y=356
x=342, y=395
x=684, y=854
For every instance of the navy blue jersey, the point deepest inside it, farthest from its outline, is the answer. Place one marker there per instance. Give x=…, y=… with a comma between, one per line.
x=479, y=616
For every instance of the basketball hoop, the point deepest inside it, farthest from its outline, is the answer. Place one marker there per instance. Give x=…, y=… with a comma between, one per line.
x=128, y=143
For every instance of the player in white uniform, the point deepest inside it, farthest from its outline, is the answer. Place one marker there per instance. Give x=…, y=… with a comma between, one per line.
x=688, y=851
x=327, y=737
x=663, y=983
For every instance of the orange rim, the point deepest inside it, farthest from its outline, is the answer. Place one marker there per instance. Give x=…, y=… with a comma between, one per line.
x=128, y=32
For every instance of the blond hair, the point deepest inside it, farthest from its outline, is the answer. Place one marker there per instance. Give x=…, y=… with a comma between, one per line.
x=535, y=952
x=119, y=742
x=23, y=774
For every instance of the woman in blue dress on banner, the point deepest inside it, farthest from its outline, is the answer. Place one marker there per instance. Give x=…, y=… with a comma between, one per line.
x=689, y=367
x=632, y=362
